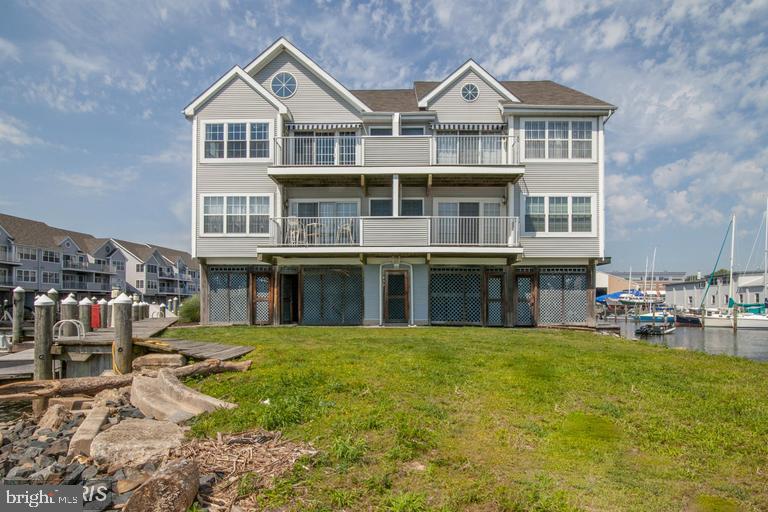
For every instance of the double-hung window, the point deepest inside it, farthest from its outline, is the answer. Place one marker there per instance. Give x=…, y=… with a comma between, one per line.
x=559, y=215
x=50, y=277
x=558, y=139
x=259, y=140
x=26, y=276
x=27, y=253
x=237, y=146
x=214, y=140
x=237, y=140
x=237, y=214
x=51, y=256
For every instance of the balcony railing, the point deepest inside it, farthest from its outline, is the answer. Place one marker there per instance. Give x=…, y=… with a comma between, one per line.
x=318, y=151
x=167, y=274
x=396, y=231
x=74, y=264
x=5, y=280
x=92, y=286
x=7, y=255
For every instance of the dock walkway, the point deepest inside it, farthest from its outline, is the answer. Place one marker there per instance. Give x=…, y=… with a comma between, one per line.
x=19, y=365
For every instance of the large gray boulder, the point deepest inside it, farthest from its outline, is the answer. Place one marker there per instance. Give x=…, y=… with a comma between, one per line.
x=136, y=441
x=172, y=489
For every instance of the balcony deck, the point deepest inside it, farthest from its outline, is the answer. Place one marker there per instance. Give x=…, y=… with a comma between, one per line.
x=471, y=159
x=384, y=235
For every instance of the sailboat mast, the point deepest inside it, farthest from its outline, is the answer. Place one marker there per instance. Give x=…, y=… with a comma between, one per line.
x=653, y=268
x=630, y=269
x=645, y=278
x=731, y=284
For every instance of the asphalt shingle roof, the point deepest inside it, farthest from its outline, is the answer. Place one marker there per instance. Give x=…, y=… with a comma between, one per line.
x=34, y=233
x=529, y=92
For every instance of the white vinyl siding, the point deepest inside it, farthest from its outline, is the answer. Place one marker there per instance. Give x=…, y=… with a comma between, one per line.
x=558, y=139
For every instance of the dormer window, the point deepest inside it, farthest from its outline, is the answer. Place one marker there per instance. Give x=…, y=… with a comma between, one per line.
x=284, y=85
x=470, y=92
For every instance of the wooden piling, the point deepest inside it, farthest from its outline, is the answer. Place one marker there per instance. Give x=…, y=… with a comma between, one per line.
x=176, y=306
x=135, y=308
x=110, y=313
x=53, y=294
x=18, y=315
x=162, y=310
x=43, y=367
x=123, y=348
x=69, y=312
x=84, y=307
x=103, y=314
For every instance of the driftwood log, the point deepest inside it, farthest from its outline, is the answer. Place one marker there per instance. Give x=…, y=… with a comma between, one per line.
x=30, y=390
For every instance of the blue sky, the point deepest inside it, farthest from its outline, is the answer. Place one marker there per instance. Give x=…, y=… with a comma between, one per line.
x=92, y=136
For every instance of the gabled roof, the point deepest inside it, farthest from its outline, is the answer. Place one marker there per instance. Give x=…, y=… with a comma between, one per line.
x=533, y=92
x=39, y=234
x=230, y=75
x=141, y=252
x=174, y=255
x=467, y=66
x=284, y=44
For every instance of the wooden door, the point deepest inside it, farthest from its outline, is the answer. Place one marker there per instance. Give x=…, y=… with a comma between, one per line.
x=524, y=302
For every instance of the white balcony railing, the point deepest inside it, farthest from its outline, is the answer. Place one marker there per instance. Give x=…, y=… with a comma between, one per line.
x=396, y=231
x=318, y=151
x=7, y=255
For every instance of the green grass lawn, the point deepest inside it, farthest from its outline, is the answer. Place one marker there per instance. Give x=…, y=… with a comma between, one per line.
x=498, y=419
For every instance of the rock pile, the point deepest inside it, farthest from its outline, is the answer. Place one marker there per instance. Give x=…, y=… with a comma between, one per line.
x=36, y=453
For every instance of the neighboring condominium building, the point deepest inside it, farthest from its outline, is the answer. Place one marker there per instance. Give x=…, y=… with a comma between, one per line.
x=38, y=257
x=467, y=201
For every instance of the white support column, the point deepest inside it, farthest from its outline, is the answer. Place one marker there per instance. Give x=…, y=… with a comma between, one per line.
x=510, y=139
x=511, y=236
x=601, y=185
x=395, y=124
x=395, y=195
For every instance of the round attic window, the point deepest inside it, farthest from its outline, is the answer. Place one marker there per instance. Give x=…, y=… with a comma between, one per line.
x=470, y=92
x=284, y=85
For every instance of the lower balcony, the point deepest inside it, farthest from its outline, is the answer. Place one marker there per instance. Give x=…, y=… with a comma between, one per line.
x=299, y=235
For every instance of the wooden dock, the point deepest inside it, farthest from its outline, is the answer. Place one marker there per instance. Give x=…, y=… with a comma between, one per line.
x=93, y=354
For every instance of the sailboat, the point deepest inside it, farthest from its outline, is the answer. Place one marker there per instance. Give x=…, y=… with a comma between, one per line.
x=719, y=318
x=733, y=318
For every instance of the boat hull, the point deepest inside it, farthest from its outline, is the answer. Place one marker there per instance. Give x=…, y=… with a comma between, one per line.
x=752, y=322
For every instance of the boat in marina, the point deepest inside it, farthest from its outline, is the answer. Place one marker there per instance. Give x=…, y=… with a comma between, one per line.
x=659, y=317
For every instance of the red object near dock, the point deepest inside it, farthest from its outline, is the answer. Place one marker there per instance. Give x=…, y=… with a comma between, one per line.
x=95, y=316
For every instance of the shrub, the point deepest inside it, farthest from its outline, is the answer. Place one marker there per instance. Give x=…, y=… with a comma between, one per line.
x=189, y=312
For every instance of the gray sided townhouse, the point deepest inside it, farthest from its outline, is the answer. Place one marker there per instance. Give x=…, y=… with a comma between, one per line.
x=38, y=257
x=466, y=201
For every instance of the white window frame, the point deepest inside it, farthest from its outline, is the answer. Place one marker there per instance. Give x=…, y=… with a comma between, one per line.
x=226, y=122
x=356, y=200
x=55, y=255
x=140, y=284
x=421, y=199
x=546, y=139
x=382, y=127
x=32, y=274
x=568, y=234
x=413, y=127
x=21, y=251
x=495, y=200
x=201, y=216
x=51, y=281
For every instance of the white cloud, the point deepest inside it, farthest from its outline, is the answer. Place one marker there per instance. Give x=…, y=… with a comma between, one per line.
x=99, y=184
x=8, y=51
x=13, y=132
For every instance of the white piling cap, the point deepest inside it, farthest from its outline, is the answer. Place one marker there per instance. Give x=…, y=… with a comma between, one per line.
x=102, y=301
x=110, y=302
x=44, y=300
x=85, y=302
x=52, y=290
x=93, y=299
x=71, y=296
x=122, y=299
x=19, y=289
x=69, y=300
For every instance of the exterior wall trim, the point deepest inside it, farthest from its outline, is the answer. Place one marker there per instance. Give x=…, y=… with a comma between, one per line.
x=236, y=71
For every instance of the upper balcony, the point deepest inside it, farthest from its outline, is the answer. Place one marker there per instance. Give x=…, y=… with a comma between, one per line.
x=380, y=235
x=9, y=256
x=84, y=266
x=458, y=156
